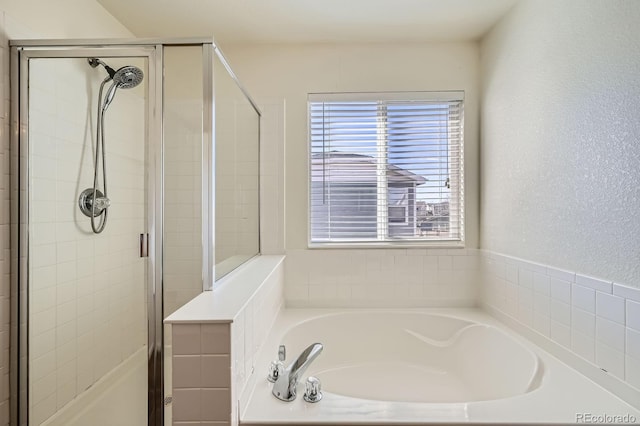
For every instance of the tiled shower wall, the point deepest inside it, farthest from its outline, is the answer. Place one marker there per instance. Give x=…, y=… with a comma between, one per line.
x=596, y=319
x=88, y=291
x=182, y=275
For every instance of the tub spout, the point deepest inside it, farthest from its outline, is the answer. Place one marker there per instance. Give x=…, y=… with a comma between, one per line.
x=285, y=386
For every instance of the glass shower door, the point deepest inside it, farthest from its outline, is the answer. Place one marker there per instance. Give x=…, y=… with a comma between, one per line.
x=87, y=287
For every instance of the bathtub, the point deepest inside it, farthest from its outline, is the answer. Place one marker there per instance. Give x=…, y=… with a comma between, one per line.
x=420, y=367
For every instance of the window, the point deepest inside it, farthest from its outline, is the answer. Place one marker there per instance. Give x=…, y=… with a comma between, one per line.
x=386, y=167
x=398, y=205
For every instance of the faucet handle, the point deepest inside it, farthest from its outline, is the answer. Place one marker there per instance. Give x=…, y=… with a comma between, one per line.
x=277, y=367
x=312, y=392
x=275, y=370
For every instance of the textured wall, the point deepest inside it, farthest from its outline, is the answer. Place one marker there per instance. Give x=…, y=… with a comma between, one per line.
x=560, y=179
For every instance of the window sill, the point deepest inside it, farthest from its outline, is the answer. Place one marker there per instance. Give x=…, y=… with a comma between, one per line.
x=390, y=245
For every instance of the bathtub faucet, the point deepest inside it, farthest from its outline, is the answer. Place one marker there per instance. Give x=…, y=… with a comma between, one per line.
x=285, y=386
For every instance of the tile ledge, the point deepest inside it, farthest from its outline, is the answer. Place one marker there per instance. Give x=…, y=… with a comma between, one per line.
x=230, y=295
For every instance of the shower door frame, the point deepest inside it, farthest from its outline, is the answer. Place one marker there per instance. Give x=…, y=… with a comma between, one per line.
x=21, y=53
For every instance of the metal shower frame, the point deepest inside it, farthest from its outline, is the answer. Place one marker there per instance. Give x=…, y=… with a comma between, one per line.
x=152, y=49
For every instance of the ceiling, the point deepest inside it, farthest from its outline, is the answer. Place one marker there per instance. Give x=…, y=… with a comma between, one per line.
x=310, y=21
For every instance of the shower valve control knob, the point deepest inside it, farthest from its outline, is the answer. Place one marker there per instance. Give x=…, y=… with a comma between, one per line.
x=313, y=392
x=93, y=207
x=102, y=203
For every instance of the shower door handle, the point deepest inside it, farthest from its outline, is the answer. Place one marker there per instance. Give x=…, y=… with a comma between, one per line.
x=144, y=245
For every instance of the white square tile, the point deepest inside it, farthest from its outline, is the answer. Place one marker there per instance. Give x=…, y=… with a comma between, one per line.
x=511, y=273
x=594, y=283
x=541, y=304
x=583, y=321
x=583, y=298
x=186, y=339
x=561, y=274
x=495, y=268
x=445, y=262
x=610, y=307
x=610, y=359
x=583, y=345
x=542, y=324
x=43, y=366
x=632, y=293
x=610, y=333
x=511, y=291
x=525, y=278
x=44, y=409
x=633, y=315
x=632, y=371
x=186, y=371
x=560, y=312
x=525, y=297
x=560, y=333
x=632, y=345
x=44, y=388
x=560, y=290
x=43, y=343
x=525, y=316
x=542, y=284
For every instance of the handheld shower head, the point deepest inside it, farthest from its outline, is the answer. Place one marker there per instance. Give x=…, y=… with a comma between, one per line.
x=126, y=77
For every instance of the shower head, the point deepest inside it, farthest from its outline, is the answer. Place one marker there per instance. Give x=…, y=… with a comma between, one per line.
x=128, y=77
x=125, y=78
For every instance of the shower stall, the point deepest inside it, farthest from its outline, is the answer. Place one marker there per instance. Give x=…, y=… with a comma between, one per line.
x=115, y=146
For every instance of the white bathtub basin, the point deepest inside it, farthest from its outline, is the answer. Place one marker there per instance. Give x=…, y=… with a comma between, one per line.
x=418, y=367
x=414, y=357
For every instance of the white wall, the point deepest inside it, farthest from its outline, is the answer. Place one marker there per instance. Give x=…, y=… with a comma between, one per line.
x=60, y=19
x=560, y=154
x=287, y=73
x=33, y=19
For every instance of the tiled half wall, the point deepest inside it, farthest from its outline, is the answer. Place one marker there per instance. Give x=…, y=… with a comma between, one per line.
x=213, y=362
x=382, y=277
x=596, y=319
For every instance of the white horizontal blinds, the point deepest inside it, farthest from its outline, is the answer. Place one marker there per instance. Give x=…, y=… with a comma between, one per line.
x=385, y=168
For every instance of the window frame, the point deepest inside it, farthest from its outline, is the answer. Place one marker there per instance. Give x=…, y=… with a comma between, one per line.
x=444, y=96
